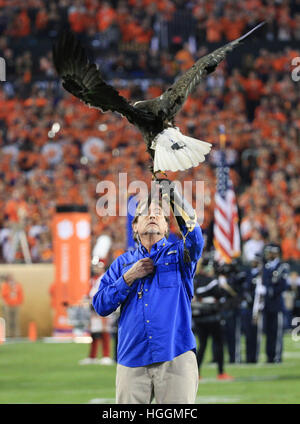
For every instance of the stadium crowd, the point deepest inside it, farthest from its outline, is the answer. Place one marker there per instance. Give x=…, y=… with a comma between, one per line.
x=54, y=149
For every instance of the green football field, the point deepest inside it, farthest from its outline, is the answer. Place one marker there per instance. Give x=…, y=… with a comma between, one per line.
x=49, y=373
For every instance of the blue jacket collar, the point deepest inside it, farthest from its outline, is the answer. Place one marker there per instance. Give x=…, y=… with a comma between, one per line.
x=154, y=247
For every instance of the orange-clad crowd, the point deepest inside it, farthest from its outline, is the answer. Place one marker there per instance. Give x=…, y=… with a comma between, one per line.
x=217, y=19
x=54, y=149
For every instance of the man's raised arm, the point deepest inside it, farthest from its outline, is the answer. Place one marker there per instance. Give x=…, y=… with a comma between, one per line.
x=186, y=218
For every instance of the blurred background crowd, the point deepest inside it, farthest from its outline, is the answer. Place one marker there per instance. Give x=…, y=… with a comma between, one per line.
x=54, y=149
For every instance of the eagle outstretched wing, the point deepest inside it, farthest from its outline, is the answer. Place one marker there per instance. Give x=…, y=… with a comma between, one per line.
x=173, y=99
x=84, y=80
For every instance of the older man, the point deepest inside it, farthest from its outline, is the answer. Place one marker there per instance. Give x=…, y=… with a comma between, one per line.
x=153, y=284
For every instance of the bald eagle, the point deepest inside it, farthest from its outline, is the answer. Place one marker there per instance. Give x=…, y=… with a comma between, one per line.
x=168, y=147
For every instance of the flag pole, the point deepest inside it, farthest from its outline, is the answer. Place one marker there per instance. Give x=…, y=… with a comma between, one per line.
x=222, y=136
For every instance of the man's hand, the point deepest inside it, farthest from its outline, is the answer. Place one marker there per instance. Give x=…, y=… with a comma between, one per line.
x=140, y=269
x=165, y=186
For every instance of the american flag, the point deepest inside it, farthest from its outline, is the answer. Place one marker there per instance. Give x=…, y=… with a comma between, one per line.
x=226, y=230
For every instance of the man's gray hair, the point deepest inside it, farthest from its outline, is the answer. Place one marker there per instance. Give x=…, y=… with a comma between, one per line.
x=142, y=207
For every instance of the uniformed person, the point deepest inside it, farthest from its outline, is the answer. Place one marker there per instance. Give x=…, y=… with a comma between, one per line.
x=210, y=303
x=252, y=314
x=235, y=279
x=274, y=279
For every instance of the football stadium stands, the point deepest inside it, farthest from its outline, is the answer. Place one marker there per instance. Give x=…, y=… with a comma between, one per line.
x=54, y=149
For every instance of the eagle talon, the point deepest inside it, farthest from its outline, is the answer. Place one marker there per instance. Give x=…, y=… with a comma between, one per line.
x=154, y=177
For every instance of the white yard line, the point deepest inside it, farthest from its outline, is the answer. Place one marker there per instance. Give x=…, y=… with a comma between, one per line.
x=199, y=399
x=102, y=400
x=216, y=399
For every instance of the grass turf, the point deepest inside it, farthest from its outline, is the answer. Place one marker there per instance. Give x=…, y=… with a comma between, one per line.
x=49, y=373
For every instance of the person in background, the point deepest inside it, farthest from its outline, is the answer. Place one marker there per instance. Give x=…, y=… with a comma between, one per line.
x=2, y=280
x=253, y=246
x=253, y=319
x=274, y=279
x=290, y=297
x=17, y=210
x=234, y=277
x=100, y=327
x=207, y=306
x=12, y=295
x=294, y=282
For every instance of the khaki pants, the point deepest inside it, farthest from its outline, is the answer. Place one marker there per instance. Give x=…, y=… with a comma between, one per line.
x=168, y=382
x=11, y=316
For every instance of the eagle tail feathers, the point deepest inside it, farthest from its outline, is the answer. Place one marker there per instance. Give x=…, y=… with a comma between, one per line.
x=175, y=151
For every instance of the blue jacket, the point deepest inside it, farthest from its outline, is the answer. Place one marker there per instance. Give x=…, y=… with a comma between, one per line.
x=157, y=326
x=275, y=280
